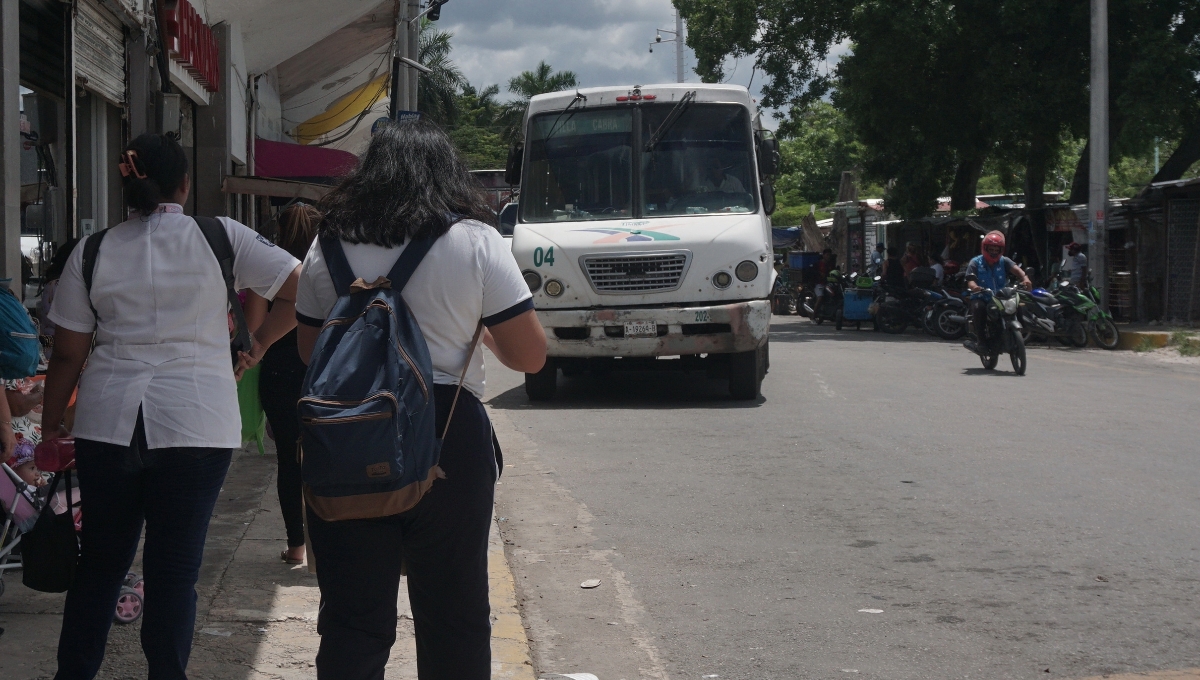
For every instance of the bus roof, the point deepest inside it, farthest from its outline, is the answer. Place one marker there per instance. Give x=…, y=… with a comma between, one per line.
x=607, y=96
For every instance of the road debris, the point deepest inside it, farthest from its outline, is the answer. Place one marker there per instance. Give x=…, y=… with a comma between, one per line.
x=590, y=583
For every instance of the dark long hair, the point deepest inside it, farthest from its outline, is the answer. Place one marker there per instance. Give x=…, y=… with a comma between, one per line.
x=59, y=262
x=163, y=162
x=410, y=184
x=297, y=229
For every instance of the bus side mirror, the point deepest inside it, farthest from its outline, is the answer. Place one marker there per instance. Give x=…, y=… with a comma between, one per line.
x=768, y=197
x=768, y=154
x=512, y=171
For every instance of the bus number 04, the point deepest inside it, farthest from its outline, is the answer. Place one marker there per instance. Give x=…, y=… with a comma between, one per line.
x=541, y=257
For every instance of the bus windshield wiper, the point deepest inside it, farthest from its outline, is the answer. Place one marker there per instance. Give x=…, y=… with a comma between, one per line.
x=579, y=97
x=670, y=120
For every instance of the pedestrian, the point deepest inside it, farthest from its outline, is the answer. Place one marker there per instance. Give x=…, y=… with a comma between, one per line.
x=411, y=184
x=877, y=259
x=911, y=259
x=280, y=380
x=157, y=417
x=49, y=288
x=893, y=269
x=1075, y=265
x=938, y=265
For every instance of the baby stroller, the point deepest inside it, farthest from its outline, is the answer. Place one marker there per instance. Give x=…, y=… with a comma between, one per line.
x=22, y=504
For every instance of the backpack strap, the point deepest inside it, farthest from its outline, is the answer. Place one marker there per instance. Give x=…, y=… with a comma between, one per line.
x=337, y=264
x=90, y=250
x=408, y=262
x=218, y=240
x=462, y=377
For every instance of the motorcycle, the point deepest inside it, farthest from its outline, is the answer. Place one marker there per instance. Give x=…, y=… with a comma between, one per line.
x=897, y=309
x=1002, y=332
x=1043, y=315
x=831, y=307
x=1098, y=322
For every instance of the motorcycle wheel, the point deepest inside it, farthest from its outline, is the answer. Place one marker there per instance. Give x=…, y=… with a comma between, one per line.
x=1105, y=333
x=945, y=328
x=891, y=322
x=1077, y=335
x=837, y=319
x=1017, y=354
x=989, y=361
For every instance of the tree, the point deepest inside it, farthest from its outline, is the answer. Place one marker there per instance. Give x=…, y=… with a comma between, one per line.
x=437, y=92
x=935, y=90
x=526, y=86
x=477, y=135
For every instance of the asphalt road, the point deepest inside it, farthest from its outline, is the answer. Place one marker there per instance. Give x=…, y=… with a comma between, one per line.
x=886, y=510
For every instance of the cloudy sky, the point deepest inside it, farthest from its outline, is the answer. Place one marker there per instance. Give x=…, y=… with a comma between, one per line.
x=605, y=42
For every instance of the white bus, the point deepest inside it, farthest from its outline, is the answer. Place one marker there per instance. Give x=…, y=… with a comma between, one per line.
x=643, y=229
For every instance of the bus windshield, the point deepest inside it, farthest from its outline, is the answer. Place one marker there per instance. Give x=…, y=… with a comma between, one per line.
x=580, y=167
x=704, y=162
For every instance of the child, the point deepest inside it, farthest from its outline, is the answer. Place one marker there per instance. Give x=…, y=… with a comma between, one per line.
x=22, y=463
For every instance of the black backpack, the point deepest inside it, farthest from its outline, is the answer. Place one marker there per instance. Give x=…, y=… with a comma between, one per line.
x=218, y=240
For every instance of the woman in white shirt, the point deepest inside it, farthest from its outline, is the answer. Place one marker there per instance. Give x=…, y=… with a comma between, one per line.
x=412, y=185
x=157, y=414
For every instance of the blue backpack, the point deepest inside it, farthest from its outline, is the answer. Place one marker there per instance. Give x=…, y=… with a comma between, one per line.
x=20, y=349
x=367, y=414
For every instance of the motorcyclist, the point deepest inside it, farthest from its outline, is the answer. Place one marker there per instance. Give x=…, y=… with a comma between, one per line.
x=827, y=264
x=989, y=271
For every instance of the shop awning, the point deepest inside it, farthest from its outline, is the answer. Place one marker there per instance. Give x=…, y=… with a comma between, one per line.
x=294, y=161
x=275, y=188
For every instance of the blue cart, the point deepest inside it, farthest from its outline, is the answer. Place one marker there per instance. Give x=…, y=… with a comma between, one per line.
x=856, y=307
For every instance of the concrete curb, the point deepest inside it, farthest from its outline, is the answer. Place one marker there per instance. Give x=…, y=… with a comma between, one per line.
x=511, y=658
x=1134, y=339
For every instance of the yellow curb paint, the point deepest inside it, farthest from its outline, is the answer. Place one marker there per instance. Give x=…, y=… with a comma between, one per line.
x=510, y=646
x=1133, y=339
x=1187, y=674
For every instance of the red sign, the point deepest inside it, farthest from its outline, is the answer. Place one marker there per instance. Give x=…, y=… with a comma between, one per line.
x=192, y=44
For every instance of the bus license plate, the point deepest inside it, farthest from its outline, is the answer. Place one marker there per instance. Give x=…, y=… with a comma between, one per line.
x=641, y=329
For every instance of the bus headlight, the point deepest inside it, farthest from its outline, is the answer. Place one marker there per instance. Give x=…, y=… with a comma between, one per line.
x=722, y=280
x=747, y=271
x=532, y=279
x=554, y=288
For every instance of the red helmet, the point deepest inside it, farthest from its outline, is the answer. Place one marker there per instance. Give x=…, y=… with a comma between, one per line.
x=994, y=238
x=1074, y=248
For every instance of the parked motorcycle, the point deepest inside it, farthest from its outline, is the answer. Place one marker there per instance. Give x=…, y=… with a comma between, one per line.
x=831, y=307
x=897, y=309
x=1045, y=316
x=1097, y=321
x=1002, y=332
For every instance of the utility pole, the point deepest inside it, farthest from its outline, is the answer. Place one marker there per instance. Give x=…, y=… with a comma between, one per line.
x=399, y=89
x=1099, y=158
x=413, y=52
x=678, y=46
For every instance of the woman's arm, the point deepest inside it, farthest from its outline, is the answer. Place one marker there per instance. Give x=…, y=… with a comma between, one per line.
x=71, y=350
x=519, y=343
x=255, y=309
x=8, y=441
x=306, y=340
x=278, y=322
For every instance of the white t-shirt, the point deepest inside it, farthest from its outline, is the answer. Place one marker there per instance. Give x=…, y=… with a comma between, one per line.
x=469, y=274
x=162, y=340
x=1074, y=265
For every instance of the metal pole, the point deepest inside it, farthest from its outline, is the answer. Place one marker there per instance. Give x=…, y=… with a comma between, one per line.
x=1098, y=167
x=10, y=145
x=678, y=46
x=414, y=53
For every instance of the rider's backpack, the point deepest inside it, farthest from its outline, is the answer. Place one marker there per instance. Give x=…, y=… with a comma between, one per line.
x=19, y=346
x=367, y=412
x=218, y=241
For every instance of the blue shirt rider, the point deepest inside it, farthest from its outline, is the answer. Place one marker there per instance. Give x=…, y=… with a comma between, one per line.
x=989, y=271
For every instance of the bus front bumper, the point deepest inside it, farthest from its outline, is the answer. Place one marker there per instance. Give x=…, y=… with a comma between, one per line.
x=654, y=332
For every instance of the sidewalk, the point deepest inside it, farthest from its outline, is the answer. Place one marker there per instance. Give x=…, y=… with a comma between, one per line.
x=257, y=615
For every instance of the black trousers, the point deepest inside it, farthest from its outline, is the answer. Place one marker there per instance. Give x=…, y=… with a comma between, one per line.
x=979, y=310
x=443, y=542
x=173, y=492
x=279, y=390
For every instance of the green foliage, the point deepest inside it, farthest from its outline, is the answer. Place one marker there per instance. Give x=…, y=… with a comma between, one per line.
x=437, y=92
x=481, y=148
x=1144, y=345
x=941, y=92
x=1187, y=344
x=527, y=85
x=818, y=146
